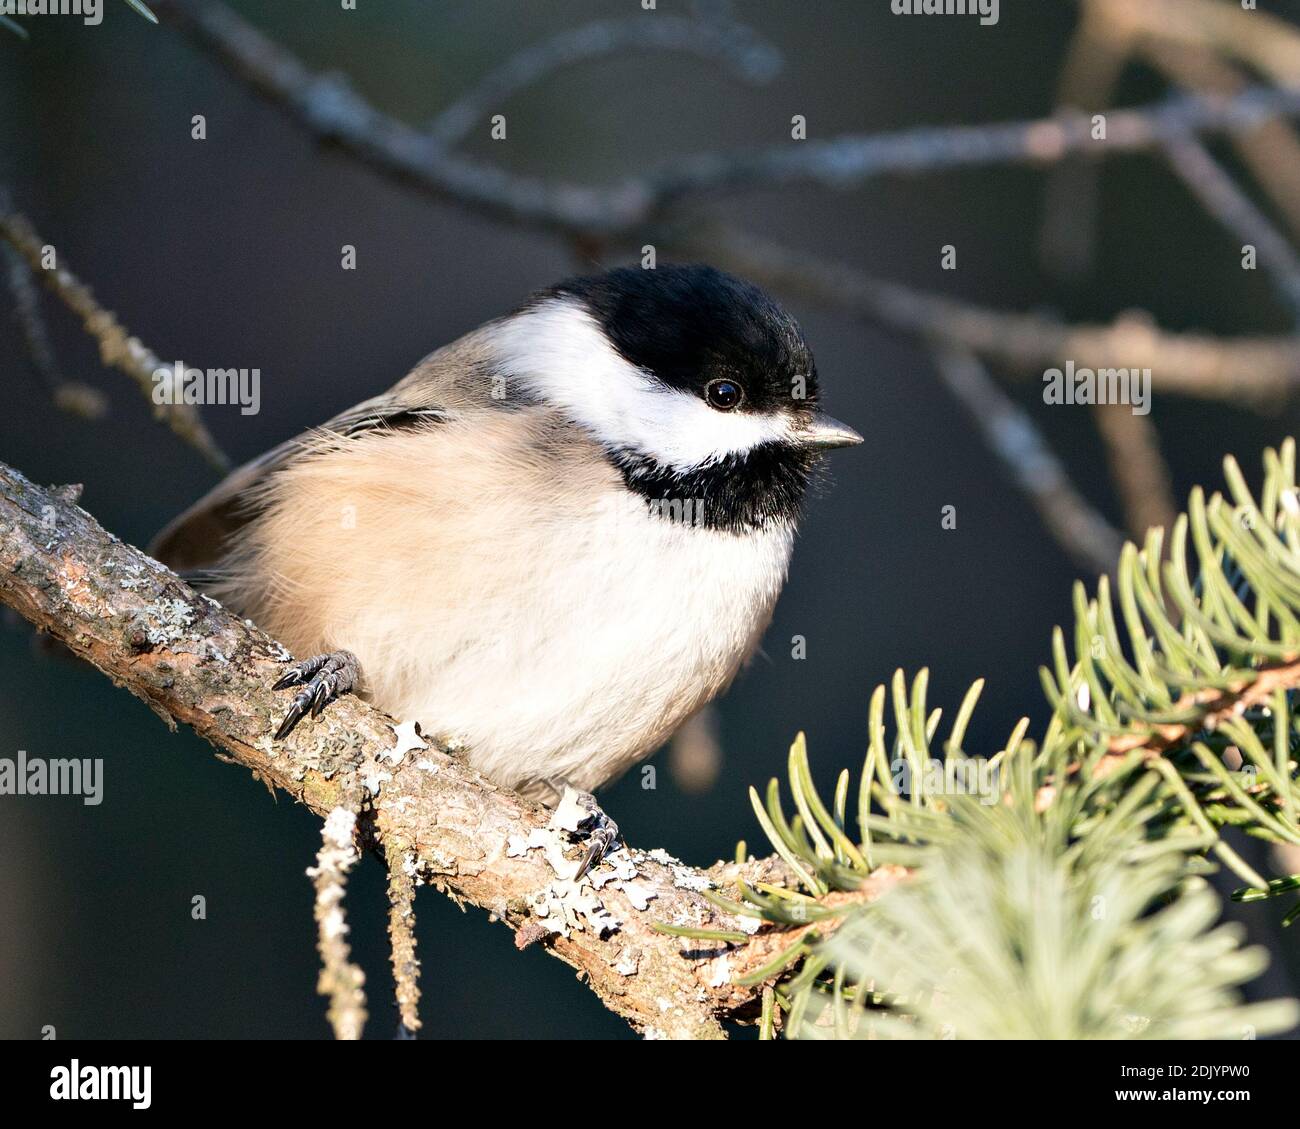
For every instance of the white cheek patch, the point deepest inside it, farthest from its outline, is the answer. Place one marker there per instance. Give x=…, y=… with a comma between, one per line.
x=560, y=355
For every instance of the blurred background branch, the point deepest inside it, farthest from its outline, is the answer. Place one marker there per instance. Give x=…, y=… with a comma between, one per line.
x=71, y=396
x=744, y=53
x=332, y=110
x=116, y=347
x=1088, y=537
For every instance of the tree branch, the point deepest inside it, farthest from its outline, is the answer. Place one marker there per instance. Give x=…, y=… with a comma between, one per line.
x=192, y=661
x=332, y=110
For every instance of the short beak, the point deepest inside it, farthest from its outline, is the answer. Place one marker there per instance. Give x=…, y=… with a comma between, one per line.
x=824, y=433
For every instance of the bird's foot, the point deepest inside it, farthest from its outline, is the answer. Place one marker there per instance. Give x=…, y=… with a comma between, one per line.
x=577, y=813
x=596, y=827
x=322, y=678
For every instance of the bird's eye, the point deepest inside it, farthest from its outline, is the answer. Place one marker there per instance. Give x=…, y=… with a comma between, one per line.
x=725, y=395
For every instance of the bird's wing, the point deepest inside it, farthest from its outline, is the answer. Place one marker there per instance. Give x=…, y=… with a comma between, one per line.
x=198, y=537
x=434, y=389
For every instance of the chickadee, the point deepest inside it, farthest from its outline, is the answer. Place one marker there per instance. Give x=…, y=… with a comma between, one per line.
x=551, y=543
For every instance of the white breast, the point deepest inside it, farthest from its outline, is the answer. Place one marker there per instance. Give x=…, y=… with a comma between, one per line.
x=623, y=627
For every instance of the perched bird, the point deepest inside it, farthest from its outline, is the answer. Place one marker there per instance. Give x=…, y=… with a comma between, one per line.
x=551, y=543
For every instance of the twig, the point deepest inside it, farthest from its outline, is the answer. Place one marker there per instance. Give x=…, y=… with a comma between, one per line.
x=846, y=162
x=193, y=662
x=1137, y=468
x=746, y=54
x=1271, y=151
x=1094, y=63
x=1228, y=204
x=1211, y=708
x=116, y=347
x=401, y=940
x=74, y=397
x=331, y=110
x=1012, y=436
x=340, y=980
x=1268, y=42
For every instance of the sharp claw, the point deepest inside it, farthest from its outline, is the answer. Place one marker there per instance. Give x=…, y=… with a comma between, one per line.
x=290, y=679
x=594, y=854
x=295, y=715
x=602, y=842
x=320, y=698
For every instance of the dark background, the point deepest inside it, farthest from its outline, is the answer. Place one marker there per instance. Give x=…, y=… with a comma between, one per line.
x=225, y=252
